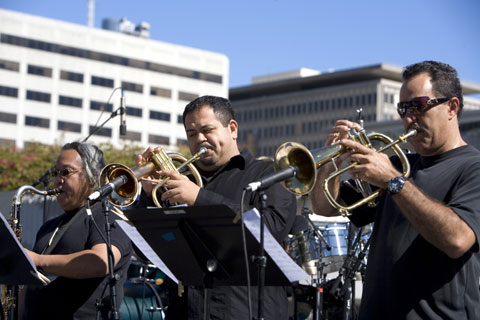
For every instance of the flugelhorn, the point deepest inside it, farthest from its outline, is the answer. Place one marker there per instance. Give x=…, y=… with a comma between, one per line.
x=307, y=162
x=126, y=194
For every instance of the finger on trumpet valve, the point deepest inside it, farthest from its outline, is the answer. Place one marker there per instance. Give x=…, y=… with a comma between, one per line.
x=150, y=180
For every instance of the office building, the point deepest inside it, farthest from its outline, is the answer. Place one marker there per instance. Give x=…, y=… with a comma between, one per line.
x=59, y=81
x=303, y=106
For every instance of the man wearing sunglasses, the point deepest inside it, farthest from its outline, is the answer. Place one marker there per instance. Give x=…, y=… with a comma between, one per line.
x=424, y=260
x=72, y=250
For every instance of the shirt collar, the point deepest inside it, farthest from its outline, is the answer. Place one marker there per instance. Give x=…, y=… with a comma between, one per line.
x=238, y=161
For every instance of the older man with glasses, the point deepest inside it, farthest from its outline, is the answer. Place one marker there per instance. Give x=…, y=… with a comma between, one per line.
x=71, y=249
x=424, y=260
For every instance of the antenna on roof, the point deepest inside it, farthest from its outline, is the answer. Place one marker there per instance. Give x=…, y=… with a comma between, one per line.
x=91, y=13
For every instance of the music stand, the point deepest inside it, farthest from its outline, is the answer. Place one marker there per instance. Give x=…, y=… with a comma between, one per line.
x=202, y=245
x=15, y=266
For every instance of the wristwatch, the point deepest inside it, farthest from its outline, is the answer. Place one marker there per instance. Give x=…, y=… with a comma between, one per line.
x=395, y=185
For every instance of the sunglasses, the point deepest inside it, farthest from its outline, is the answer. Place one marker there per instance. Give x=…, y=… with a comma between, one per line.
x=418, y=105
x=63, y=173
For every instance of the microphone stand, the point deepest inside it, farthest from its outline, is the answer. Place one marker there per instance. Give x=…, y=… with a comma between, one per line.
x=113, y=278
x=112, y=115
x=261, y=259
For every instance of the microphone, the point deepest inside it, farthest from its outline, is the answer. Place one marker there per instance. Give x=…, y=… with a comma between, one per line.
x=108, y=188
x=275, y=177
x=123, y=111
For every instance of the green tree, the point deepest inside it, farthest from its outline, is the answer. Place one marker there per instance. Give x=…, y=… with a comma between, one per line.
x=19, y=167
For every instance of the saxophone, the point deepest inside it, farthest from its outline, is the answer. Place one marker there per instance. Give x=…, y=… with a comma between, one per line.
x=9, y=293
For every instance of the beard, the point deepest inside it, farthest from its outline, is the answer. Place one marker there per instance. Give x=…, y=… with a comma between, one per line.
x=207, y=162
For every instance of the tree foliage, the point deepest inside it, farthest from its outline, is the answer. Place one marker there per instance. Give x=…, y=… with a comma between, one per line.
x=19, y=167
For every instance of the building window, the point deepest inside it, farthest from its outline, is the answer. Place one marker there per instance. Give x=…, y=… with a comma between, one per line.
x=185, y=96
x=8, y=91
x=103, y=82
x=9, y=65
x=182, y=142
x=71, y=76
x=69, y=126
x=37, y=122
x=70, y=101
x=104, y=132
x=130, y=86
x=180, y=119
x=134, y=112
x=132, y=135
x=108, y=58
x=39, y=71
x=160, y=92
x=158, y=139
x=95, y=105
x=8, y=117
x=38, y=96
x=156, y=115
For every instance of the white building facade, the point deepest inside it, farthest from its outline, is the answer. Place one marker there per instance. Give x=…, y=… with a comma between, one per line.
x=57, y=77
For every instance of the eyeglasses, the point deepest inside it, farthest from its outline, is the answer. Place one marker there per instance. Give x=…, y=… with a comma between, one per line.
x=418, y=105
x=63, y=173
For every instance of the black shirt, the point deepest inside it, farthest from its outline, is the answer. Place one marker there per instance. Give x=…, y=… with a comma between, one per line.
x=66, y=298
x=409, y=278
x=225, y=186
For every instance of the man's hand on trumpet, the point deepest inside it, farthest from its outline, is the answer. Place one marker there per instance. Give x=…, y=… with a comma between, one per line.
x=180, y=188
x=340, y=131
x=372, y=167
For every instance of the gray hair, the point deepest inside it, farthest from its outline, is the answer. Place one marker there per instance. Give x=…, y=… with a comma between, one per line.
x=93, y=160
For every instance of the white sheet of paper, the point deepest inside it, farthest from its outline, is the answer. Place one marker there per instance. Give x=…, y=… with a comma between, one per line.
x=292, y=271
x=145, y=248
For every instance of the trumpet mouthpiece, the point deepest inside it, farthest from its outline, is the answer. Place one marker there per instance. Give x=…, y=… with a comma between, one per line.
x=411, y=133
x=202, y=151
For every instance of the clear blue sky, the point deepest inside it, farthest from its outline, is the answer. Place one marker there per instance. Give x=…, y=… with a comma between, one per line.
x=270, y=36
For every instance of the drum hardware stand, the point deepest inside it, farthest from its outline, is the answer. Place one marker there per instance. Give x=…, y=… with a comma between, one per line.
x=351, y=265
x=350, y=275
x=145, y=282
x=320, y=280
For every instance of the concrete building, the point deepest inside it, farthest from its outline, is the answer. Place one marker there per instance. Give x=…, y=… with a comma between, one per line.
x=303, y=106
x=57, y=77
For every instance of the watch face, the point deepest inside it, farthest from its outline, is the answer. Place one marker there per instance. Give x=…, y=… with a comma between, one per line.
x=395, y=185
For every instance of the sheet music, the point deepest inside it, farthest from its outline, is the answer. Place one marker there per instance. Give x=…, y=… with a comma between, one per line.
x=292, y=271
x=34, y=272
x=145, y=248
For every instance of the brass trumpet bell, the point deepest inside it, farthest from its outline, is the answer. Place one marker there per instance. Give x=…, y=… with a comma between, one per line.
x=296, y=154
x=126, y=194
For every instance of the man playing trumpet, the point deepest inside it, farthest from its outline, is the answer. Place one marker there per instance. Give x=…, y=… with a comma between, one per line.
x=210, y=123
x=424, y=260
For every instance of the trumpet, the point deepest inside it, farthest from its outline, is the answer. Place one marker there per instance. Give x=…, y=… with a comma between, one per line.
x=126, y=194
x=307, y=162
